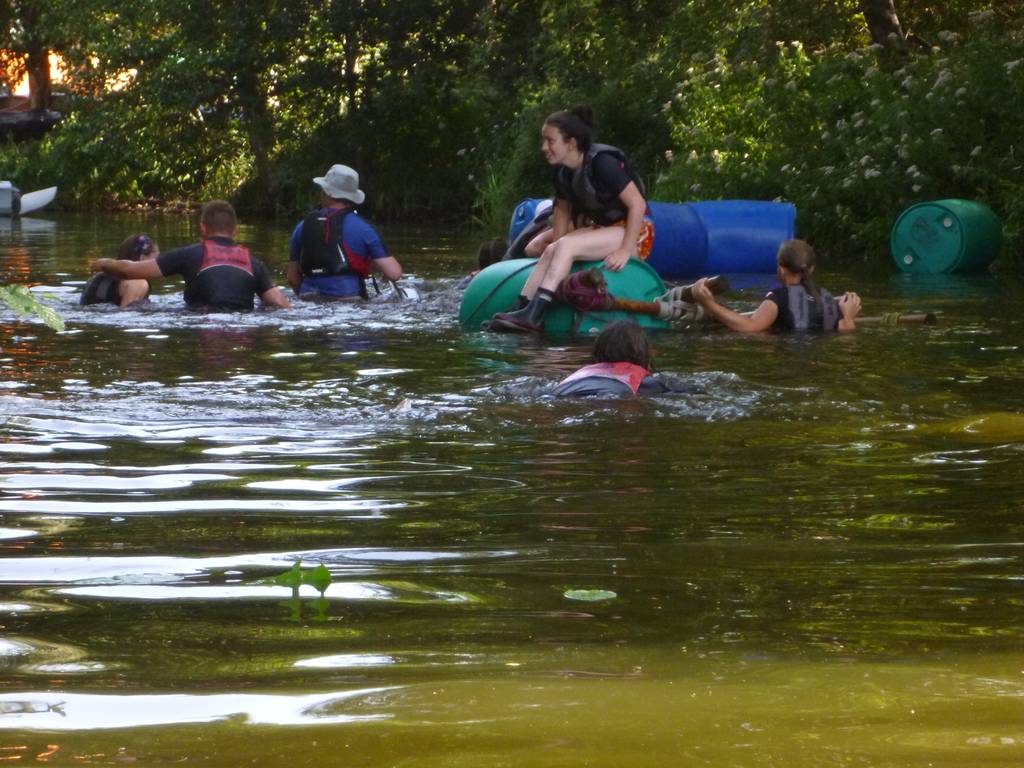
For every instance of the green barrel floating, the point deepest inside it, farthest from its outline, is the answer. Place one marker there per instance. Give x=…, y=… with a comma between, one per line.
x=945, y=237
x=496, y=289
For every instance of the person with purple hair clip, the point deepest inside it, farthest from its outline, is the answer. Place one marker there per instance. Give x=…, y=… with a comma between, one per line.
x=105, y=288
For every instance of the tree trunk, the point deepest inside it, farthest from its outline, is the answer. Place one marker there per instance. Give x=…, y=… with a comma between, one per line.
x=883, y=24
x=37, y=54
x=259, y=128
x=39, y=86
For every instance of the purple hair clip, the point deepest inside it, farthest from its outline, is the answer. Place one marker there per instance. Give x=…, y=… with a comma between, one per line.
x=143, y=245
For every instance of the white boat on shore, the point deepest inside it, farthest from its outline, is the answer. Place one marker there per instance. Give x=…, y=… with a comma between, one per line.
x=13, y=203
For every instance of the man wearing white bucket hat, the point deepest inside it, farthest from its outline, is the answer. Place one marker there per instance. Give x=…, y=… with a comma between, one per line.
x=333, y=248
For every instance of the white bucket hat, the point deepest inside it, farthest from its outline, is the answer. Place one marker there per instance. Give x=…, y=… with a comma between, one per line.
x=341, y=183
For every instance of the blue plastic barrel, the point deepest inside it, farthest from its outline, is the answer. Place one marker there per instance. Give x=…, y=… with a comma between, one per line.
x=680, y=246
x=705, y=238
x=523, y=215
x=708, y=238
x=743, y=235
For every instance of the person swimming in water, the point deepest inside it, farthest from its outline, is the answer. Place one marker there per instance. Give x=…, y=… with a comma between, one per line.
x=104, y=288
x=797, y=304
x=622, y=366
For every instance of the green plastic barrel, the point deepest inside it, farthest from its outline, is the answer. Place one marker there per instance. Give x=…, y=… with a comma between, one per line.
x=946, y=236
x=496, y=289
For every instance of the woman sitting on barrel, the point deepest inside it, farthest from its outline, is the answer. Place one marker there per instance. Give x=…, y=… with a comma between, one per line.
x=599, y=214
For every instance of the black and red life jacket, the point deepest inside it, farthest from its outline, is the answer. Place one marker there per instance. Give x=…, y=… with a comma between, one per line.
x=324, y=252
x=219, y=255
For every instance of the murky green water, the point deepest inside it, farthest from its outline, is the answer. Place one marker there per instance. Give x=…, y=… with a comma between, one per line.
x=816, y=554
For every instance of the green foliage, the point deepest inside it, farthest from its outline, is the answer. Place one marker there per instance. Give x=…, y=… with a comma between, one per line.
x=292, y=578
x=319, y=578
x=22, y=301
x=853, y=138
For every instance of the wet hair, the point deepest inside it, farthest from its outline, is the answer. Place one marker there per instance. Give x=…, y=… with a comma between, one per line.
x=134, y=247
x=219, y=217
x=623, y=341
x=576, y=123
x=491, y=252
x=798, y=257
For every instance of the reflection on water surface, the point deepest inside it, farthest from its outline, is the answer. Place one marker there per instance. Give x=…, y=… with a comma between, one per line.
x=816, y=551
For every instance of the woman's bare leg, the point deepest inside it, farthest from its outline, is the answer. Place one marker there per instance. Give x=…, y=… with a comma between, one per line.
x=581, y=245
x=556, y=261
x=536, y=249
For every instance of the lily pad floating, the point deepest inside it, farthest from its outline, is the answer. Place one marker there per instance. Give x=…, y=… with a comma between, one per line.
x=589, y=595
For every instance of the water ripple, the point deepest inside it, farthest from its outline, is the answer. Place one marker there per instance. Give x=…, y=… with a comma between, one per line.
x=36, y=710
x=67, y=466
x=16, y=533
x=168, y=569
x=99, y=482
x=367, y=508
x=346, y=591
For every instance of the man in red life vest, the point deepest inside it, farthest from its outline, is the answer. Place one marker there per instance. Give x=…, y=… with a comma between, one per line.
x=219, y=274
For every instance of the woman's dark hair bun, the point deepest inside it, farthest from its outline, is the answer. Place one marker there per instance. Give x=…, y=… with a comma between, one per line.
x=585, y=113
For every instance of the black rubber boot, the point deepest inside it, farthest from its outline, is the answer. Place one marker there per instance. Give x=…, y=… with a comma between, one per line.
x=529, y=319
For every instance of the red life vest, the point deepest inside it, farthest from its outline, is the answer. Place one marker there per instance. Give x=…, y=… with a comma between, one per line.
x=218, y=255
x=629, y=374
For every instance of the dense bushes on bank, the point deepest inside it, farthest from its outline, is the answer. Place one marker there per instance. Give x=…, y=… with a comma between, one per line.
x=854, y=137
x=851, y=133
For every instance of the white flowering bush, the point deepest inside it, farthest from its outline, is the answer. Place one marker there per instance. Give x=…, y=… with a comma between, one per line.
x=854, y=138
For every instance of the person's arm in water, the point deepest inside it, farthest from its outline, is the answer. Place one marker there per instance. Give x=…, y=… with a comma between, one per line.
x=849, y=308
x=760, y=319
x=274, y=297
x=128, y=270
x=636, y=207
x=270, y=295
x=294, y=275
x=388, y=266
x=293, y=272
x=367, y=241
